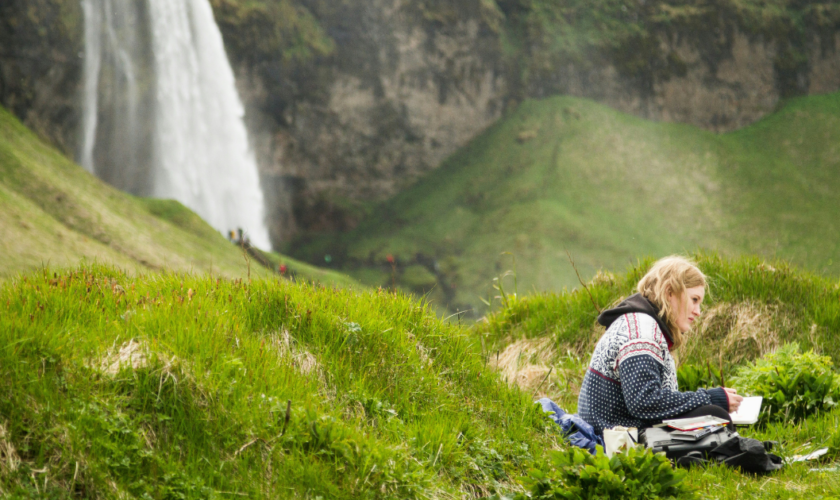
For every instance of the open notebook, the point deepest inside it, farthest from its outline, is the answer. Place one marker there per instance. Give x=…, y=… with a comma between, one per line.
x=747, y=413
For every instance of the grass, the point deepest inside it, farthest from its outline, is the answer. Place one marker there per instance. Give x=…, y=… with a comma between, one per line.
x=173, y=385
x=557, y=331
x=568, y=174
x=53, y=212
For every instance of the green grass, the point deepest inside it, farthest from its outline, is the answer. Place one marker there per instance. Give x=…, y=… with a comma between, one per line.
x=386, y=400
x=53, y=212
x=569, y=174
x=801, y=307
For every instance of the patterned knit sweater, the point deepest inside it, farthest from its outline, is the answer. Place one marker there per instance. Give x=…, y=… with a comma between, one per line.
x=632, y=379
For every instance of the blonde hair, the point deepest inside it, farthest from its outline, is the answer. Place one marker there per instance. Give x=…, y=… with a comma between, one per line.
x=670, y=275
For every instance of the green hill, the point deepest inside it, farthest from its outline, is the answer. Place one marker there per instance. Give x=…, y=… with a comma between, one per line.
x=543, y=342
x=184, y=387
x=171, y=386
x=53, y=212
x=569, y=174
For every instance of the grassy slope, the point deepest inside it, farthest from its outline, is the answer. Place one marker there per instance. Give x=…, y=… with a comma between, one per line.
x=386, y=400
x=52, y=211
x=566, y=173
x=750, y=304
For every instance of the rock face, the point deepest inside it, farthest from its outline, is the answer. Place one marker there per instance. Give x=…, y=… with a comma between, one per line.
x=398, y=85
x=404, y=88
x=396, y=96
x=737, y=88
x=41, y=67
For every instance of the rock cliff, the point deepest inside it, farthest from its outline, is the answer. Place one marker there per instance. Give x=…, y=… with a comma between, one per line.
x=41, y=66
x=350, y=101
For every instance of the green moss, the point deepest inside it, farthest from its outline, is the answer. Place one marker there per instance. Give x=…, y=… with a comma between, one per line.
x=259, y=31
x=179, y=215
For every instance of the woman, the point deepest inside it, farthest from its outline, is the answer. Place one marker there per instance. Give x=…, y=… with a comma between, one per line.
x=632, y=379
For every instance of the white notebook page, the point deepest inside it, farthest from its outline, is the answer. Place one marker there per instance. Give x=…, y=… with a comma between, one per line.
x=748, y=411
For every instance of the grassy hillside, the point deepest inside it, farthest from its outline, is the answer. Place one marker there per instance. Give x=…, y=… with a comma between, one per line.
x=53, y=212
x=568, y=174
x=180, y=386
x=543, y=343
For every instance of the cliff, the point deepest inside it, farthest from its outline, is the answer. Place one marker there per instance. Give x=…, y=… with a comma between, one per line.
x=403, y=85
x=349, y=102
x=41, y=66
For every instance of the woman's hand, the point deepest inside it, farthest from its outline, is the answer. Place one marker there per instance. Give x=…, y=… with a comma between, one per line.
x=734, y=399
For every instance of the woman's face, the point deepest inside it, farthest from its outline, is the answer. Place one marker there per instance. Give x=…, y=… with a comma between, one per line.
x=687, y=310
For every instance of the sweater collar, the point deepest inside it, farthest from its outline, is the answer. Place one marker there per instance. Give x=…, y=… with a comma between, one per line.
x=636, y=303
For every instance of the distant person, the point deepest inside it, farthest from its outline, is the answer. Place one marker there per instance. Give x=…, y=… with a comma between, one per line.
x=632, y=378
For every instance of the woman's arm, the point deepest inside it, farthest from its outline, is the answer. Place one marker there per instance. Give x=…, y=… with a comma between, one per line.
x=646, y=399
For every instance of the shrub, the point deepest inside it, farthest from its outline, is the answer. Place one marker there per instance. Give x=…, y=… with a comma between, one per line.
x=637, y=474
x=793, y=384
x=693, y=377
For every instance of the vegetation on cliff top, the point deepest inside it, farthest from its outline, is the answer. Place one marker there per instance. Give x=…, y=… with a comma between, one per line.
x=543, y=35
x=536, y=37
x=566, y=174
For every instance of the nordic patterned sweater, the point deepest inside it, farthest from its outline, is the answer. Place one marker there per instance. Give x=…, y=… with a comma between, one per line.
x=632, y=379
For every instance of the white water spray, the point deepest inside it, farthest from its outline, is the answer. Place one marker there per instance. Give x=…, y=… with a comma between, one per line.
x=93, y=59
x=202, y=157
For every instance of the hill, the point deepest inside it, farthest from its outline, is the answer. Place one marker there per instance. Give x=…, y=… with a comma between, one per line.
x=178, y=386
x=185, y=386
x=753, y=307
x=53, y=212
x=569, y=174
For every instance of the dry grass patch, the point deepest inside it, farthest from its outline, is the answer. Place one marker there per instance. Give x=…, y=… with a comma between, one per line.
x=541, y=368
x=132, y=355
x=735, y=332
x=288, y=348
x=9, y=459
x=525, y=362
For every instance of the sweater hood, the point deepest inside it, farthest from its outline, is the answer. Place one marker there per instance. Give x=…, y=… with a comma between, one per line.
x=636, y=303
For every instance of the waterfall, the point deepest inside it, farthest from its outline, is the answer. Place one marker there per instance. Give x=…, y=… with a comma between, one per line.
x=93, y=58
x=199, y=149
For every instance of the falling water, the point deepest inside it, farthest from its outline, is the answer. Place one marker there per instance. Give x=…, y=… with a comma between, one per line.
x=110, y=121
x=93, y=58
x=201, y=156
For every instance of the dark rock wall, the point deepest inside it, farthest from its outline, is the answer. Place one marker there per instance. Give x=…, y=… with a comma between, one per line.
x=395, y=95
x=41, y=42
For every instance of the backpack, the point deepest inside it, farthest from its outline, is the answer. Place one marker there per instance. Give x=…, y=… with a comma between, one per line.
x=726, y=446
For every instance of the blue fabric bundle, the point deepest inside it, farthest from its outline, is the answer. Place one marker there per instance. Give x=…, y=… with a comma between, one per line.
x=576, y=430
